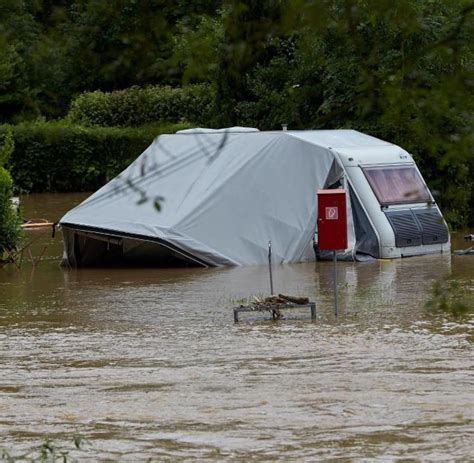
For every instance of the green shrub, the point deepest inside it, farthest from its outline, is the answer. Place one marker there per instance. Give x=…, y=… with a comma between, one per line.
x=452, y=297
x=138, y=106
x=58, y=156
x=9, y=219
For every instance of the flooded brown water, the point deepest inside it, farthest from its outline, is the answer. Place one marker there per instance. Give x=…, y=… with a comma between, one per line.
x=147, y=363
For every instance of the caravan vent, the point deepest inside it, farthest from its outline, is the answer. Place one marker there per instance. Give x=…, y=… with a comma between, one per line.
x=432, y=225
x=406, y=229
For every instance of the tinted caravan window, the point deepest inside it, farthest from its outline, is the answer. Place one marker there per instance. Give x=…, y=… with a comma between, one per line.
x=397, y=185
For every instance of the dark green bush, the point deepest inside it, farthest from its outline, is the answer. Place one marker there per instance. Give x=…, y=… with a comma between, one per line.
x=138, y=106
x=9, y=219
x=451, y=297
x=58, y=156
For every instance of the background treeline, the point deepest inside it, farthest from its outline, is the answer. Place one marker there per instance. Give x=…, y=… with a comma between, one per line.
x=86, y=84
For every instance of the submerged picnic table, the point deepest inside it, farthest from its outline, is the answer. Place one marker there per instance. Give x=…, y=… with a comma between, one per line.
x=275, y=304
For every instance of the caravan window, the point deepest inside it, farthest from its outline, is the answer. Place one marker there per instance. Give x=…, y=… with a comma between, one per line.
x=397, y=185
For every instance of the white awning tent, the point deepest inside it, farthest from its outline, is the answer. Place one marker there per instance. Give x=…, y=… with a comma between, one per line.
x=224, y=195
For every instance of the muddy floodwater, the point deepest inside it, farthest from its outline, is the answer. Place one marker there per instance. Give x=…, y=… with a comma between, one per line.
x=148, y=363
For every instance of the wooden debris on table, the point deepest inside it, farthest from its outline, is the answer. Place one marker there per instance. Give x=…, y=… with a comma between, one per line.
x=274, y=303
x=280, y=299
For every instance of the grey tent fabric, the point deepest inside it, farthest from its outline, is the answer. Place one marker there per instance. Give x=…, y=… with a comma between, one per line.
x=223, y=195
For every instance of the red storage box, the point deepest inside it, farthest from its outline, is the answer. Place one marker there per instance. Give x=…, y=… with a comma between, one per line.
x=332, y=220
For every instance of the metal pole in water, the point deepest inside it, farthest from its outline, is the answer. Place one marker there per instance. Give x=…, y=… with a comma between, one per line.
x=270, y=266
x=336, y=308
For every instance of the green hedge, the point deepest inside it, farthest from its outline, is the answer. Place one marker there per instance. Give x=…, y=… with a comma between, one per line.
x=58, y=156
x=138, y=106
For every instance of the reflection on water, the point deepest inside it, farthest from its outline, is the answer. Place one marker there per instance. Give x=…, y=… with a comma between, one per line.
x=148, y=362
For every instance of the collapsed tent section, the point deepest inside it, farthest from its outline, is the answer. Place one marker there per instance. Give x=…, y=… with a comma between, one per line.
x=222, y=196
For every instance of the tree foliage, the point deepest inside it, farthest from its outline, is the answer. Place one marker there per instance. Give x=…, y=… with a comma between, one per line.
x=138, y=106
x=402, y=71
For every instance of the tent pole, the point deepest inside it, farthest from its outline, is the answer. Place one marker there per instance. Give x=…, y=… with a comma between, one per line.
x=336, y=308
x=270, y=266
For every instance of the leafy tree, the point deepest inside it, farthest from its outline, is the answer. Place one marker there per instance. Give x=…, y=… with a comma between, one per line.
x=401, y=71
x=17, y=34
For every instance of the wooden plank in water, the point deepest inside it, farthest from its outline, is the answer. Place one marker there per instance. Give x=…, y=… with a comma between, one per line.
x=32, y=226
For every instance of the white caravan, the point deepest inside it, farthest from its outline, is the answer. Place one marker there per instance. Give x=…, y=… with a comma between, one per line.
x=386, y=189
x=227, y=193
